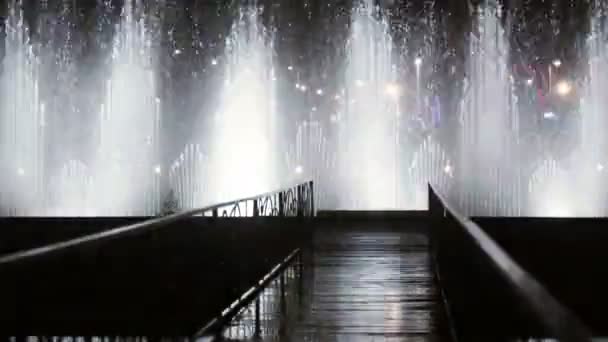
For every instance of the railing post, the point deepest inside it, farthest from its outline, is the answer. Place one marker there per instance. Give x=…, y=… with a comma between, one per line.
x=281, y=204
x=258, y=328
x=256, y=209
x=282, y=290
x=215, y=212
x=300, y=211
x=312, y=197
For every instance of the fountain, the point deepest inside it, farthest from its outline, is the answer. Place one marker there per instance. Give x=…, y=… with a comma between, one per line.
x=368, y=143
x=243, y=138
x=430, y=164
x=310, y=158
x=593, y=156
x=186, y=178
x=127, y=169
x=22, y=119
x=576, y=188
x=489, y=122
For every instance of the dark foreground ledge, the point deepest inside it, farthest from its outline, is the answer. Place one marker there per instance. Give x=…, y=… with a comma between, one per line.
x=167, y=282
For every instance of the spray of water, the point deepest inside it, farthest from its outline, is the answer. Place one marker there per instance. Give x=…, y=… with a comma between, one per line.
x=368, y=146
x=489, y=121
x=243, y=136
x=22, y=119
x=126, y=169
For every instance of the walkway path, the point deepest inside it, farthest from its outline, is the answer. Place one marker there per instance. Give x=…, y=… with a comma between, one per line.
x=368, y=284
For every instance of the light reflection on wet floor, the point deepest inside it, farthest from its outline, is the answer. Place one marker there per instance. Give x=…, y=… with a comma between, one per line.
x=354, y=286
x=357, y=286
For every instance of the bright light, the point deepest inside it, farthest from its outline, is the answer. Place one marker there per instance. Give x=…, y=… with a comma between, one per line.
x=157, y=169
x=418, y=61
x=600, y=167
x=359, y=83
x=299, y=169
x=290, y=68
x=319, y=92
x=393, y=90
x=20, y=171
x=563, y=88
x=529, y=81
x=177, y=52
x=448, y=169
x=557, y=63
x=214, y=61
x=549, y=115
x=303, y=88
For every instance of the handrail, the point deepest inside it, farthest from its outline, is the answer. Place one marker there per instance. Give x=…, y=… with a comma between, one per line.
x=233, y=310
x=304, y=191
x=559, y=320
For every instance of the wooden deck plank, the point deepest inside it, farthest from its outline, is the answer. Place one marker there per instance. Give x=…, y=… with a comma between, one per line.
x=358, y=285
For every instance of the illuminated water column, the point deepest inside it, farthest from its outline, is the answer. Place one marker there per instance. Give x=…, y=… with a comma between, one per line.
x=21, y=121
x=489, y=120
x=310, y=158
x=127, y=169
x=430, y=164
x=590, y=177
x=187, y=178
x=368, y=146
x=244, y=151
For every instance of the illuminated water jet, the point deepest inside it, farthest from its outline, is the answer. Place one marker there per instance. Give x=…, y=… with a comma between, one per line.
x=129, y=124
x=22, y=118
x=243, y=145
x=368, y=146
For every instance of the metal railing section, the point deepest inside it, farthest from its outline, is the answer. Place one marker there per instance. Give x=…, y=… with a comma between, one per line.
x=547, y=310
x=295, y=201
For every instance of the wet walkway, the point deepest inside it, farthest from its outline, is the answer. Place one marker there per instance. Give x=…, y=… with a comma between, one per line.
x=356, y=285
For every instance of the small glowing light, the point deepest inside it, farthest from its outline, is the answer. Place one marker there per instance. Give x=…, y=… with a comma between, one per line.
x=600, y=167
x=319, y=92
x=214, y=61
x=557, y=63
x=297, y=85
x=393, y=90
x=418, y=61
x=177, y=52
x=337, y=97
x=563, y=88
x=157, y=169
x=274, y=78
x=448, y=169
x=529, y=81
x=359, y=83
x=314, y=109
x=20, y=171
x=303, y=88
x=299, y=169
x=549, y=115
x=290, y=68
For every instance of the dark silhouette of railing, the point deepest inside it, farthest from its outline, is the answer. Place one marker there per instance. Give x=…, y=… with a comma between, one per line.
x=489, y=295
x=295, y=201
x=166, y=276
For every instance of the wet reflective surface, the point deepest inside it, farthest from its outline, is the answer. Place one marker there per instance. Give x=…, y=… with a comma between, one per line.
x=355, y=286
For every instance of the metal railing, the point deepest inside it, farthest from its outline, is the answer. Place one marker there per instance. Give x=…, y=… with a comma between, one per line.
x=457, y=240
x=215, y=326
x=295, y=201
